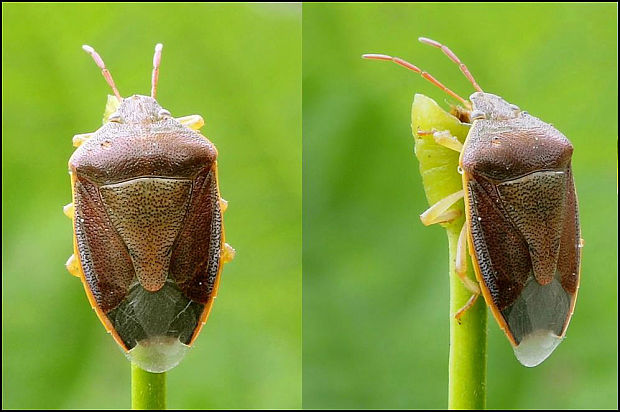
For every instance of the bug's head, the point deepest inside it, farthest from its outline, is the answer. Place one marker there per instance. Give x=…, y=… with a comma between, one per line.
x=487, y=106
x=137, y=108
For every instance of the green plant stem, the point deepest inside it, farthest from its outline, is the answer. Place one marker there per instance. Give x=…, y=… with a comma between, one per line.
x=439, y=171
x=148, y=390
x=468, y=341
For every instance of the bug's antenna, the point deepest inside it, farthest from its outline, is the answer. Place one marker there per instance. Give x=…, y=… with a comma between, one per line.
x=104, y=71
x=452, y=57
x=156, y=62
x=415, y=68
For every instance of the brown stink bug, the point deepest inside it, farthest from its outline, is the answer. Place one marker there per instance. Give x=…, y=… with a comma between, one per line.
x=521, y=215
x=148, y=233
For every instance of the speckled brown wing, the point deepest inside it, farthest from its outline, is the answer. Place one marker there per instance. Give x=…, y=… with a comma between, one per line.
x=104, y=259
x=500, y=254
x=196, y=263
x=124, y=235
x=518, y=232
x=195, y=260
x=569, y=256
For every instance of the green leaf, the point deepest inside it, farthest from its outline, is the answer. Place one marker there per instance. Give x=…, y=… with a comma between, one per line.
x=438, y=164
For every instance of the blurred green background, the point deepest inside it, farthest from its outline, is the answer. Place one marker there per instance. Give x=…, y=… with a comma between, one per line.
x=236, y=65
x=375, y=284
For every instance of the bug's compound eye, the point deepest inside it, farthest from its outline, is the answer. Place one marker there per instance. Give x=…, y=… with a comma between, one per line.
x=477, y=115
x=115, y=117
x=164, y=114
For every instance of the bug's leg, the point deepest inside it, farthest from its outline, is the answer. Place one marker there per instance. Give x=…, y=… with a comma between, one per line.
x=73, y=266
x=443, y=138
x=194, y=121
x=78, y=139
x=461, y=272
x=228, y=253
x=459, y=313
x=69, y=210
x=439, y=213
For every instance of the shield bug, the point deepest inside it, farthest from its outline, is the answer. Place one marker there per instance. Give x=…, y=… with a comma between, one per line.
x=148, y=234
x=521, y=216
